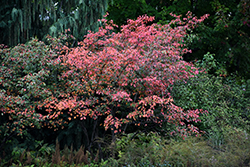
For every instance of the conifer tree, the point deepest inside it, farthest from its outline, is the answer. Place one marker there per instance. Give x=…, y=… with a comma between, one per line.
x=21, y=20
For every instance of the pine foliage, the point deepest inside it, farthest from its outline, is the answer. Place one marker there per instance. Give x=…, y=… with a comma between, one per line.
x=21, y=20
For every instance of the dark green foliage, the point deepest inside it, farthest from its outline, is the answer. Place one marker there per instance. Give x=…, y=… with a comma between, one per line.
x=140, y=149
x=20, y=155
x=122, y=10
x=224, y=100
x=44, y=155
x=227, y=36
x=21, y=20
x=29, y=74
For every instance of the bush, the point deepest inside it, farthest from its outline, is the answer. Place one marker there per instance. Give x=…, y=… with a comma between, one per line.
x=113, y=80
x=122, y=78
x=224, y=99
x=29, y=74
x=139, y=149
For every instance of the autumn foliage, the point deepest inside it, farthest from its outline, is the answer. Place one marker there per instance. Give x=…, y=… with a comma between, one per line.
x=125, y=76
x=122, y=77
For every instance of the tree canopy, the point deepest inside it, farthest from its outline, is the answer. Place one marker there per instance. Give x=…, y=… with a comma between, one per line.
x=21, y=20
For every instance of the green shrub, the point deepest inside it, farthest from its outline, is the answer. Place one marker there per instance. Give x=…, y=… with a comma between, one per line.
x=153, y=150
x=140, y=149
x=224, y=99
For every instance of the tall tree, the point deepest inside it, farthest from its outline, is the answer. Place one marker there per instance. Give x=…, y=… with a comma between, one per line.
x=21, y=20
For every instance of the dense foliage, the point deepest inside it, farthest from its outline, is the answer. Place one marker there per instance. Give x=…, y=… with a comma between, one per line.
x=226, y=36
x=114, y=79
x=226, y=102
x=29, y=75
x=125, y=95
x=21, y=20
x=125, y=76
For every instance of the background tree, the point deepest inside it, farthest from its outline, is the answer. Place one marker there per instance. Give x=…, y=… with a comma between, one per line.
x=21, y=20
x=121, y=10
x=226, y=35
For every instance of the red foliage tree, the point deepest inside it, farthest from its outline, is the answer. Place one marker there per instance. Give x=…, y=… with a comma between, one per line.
x=125, y=76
